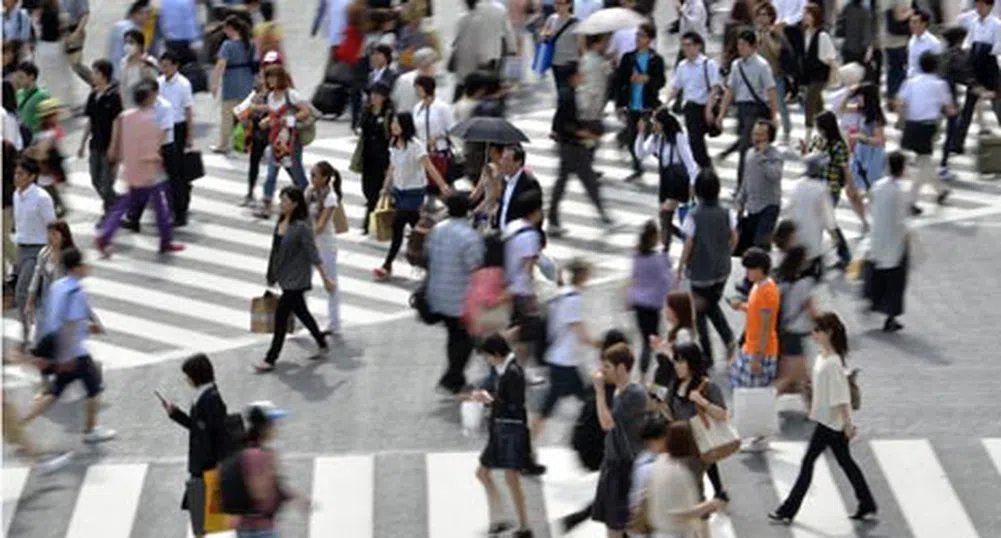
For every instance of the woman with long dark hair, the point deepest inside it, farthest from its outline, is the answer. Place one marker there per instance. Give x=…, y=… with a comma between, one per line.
x=692, y=394
x=293, y=252
x=838, y=173
x=680, y=317
x=651, y=281
x=375, y=121
x=406, y=181
x=233, y=75
x=675, y=163
x=832, y=410
x=796, y=286
x=324, y=195
x=869, y=154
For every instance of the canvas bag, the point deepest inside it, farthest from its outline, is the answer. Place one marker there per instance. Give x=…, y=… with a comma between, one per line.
x=262, y=314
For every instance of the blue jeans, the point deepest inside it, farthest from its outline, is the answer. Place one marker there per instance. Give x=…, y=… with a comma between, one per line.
x=296, y=171
x=780, y=88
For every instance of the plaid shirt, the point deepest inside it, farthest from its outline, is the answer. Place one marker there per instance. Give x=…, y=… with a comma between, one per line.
x=742, y=376
x=454, y=251
x=838, y=155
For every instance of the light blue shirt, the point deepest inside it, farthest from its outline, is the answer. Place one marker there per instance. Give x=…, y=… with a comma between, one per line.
x=17, y=25
x=116, y=43
x=67, y=302
x=179, y=20
x=641, y=67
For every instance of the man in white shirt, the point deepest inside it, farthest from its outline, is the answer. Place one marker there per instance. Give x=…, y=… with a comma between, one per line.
x=697, y=78
x=983, y=40
x=433, y=119
x=567, y=334
x=809, y=207
x=404, y=95
x=33, y=212
x=888, y=242
x=922, y=100
x=176, y=90
x=921, y=41
x=522, y=248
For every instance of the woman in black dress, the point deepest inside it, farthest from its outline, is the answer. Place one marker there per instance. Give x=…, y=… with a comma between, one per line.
x=507, y=447
x=375, y=146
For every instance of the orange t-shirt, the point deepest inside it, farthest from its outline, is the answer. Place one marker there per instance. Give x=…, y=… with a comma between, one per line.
x=764, y=296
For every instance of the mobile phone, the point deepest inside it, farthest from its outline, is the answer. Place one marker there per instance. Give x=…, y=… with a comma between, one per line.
x=159, y=395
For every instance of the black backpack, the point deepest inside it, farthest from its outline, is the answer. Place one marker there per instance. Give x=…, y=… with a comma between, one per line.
x=236, y=497
x=588, y=437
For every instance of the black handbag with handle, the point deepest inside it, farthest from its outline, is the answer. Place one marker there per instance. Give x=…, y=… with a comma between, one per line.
x=191, y=166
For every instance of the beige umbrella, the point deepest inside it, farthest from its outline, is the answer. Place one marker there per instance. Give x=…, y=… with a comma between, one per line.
x=608, y=20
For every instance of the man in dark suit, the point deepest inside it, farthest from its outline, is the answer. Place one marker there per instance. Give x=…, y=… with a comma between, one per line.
x=638, y=81
x=379, y=67
x=517, y=181
x=207, y=439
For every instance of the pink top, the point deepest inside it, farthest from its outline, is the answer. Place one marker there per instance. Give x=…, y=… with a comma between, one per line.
x=486, y=288
x=258, y=461
x=140, y=148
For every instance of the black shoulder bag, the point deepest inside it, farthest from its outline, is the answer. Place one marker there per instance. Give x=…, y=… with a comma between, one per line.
x=673, y=175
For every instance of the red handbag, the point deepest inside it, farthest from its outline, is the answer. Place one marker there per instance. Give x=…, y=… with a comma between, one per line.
x=440, y=160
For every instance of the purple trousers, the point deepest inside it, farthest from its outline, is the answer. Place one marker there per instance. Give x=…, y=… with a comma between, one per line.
x=138, y=198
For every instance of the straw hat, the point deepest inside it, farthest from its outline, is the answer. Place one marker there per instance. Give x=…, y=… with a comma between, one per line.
x=48, y=107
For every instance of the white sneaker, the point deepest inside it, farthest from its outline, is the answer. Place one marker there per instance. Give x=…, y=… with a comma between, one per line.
x=52, y=465
x=99, y=434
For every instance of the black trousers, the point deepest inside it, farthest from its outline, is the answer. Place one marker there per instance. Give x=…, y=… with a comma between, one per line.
x=797, y=40
x=627, y=137
x=291, y=302
x=711, y=295
x=822, y=439
x=966, y=119
x=372, y=179
x=575, y=159
x=695, y=124
x=257, y=148
x=648, y=321
x=401, y=218
x=459, y=348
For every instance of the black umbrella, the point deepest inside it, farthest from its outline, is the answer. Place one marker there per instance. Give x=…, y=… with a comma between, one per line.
x=488, y=130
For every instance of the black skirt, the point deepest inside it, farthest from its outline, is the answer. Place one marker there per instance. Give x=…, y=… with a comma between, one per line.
x=884, y=288
x=611, y=499
x=507, y=447
x=674, y=183
x=919, y=136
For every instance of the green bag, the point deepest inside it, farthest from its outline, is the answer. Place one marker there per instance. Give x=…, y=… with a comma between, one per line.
x=239, y=140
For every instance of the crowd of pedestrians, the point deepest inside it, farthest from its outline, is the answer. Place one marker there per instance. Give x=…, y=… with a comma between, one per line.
x=489, y=278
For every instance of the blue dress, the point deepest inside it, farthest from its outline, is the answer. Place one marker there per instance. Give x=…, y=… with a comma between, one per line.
x=868, y=161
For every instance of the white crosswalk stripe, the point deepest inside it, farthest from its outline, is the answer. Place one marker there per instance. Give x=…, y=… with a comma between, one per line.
x=347, y=500
x=198, y=300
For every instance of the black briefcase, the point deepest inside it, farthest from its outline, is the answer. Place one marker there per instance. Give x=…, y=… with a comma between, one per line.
x=331, y=98
x=191, y=166
x=197, y=76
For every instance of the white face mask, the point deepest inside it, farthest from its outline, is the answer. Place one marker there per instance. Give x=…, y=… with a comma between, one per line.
x=130, y=49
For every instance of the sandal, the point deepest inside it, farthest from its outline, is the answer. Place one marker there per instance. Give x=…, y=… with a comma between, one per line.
x=382, y=274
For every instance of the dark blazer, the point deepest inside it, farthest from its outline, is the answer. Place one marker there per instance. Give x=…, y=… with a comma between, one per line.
x=623, y=86
x=526, y=182
x=206, y=426
x=508, y=393
x=388, y=78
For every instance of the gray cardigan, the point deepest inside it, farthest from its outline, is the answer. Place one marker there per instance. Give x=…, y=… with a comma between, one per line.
x=292, y=258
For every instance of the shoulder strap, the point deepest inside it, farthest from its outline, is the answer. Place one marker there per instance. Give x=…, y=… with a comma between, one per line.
x=750, y=88
x=570, y=22
x=28, y=96
x=705, y=73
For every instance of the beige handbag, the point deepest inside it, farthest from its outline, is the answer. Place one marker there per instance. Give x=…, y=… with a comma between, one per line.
x=716, y=439
x=340, y=219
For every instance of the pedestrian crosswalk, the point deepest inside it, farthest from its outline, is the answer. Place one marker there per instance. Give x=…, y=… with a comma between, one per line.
x=119, y=500
x=157, y=308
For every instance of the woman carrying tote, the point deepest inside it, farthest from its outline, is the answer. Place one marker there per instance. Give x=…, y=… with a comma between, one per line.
x=293, y=251
x=323, y=197
x=693, y=392
x=406, y=181
x=375, y=121
x=831, y=409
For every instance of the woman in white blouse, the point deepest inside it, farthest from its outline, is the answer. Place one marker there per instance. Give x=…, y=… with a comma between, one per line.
x=674, y=509
x=831, y=409
x=323, y=196
x=676, y=165
x=406, y=181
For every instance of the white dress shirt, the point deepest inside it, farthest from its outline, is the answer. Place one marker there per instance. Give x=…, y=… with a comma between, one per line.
x=889, y=212
x=918, y=45
x=33, y=212
x=679, y=152
x=408, y=171
x=433, y=121
x=924, y=96
x=986, y=31
x=404, y=94
x=177, y=91
x=690, y=77
x=509, y=185
x=164, y=118
x=12, y=130
x=790, y=12
x=810, y=208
